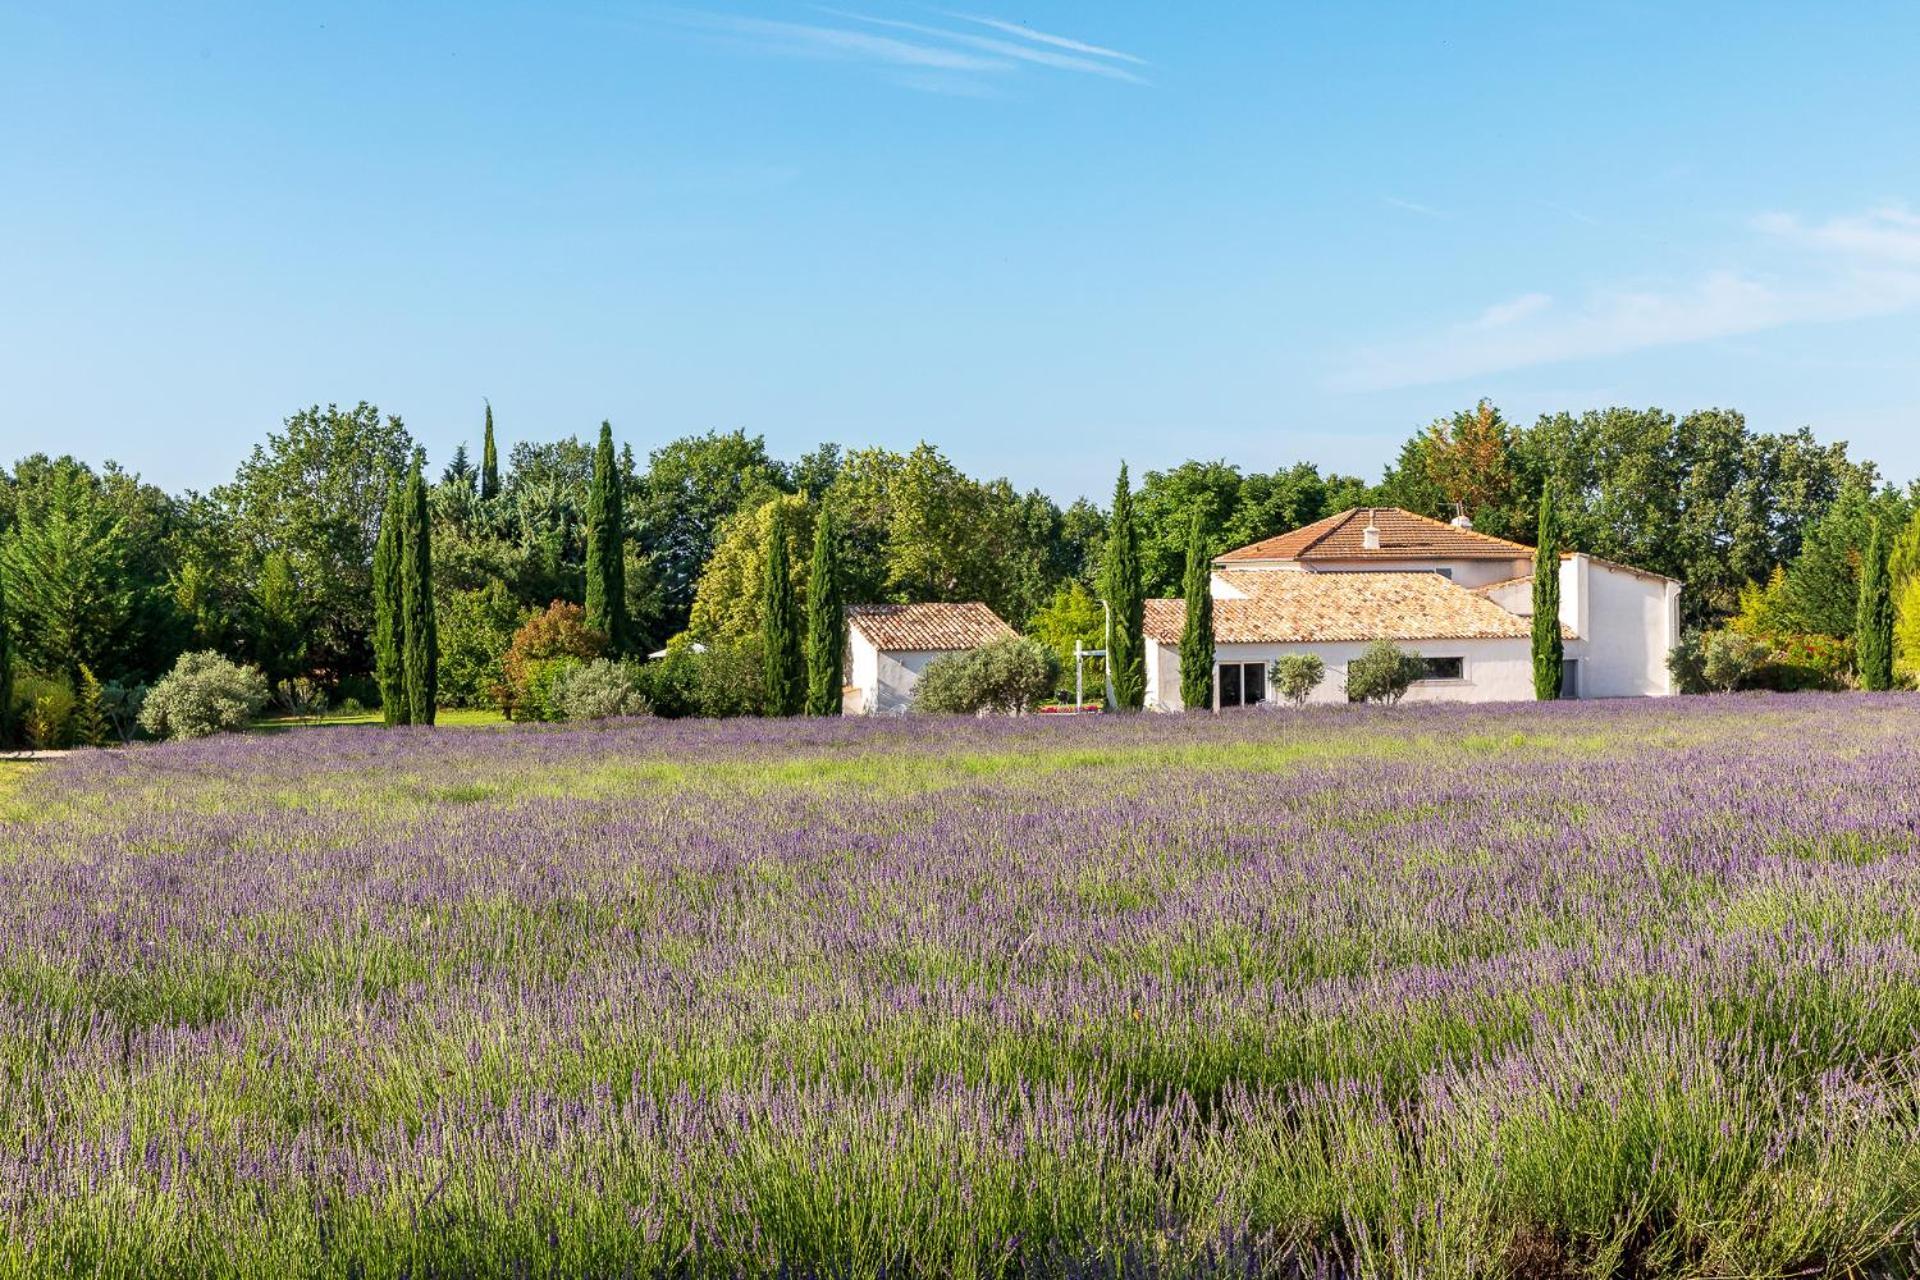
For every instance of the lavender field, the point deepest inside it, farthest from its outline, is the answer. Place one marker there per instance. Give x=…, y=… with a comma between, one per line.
x=1570, y=989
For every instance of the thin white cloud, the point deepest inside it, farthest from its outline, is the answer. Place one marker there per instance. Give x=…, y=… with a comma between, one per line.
x=999, y=48
x=1890, y=234
x=1414, y=206
x=1042, y=37
x=810, y=40
x=1863, y=267
x=916, y=55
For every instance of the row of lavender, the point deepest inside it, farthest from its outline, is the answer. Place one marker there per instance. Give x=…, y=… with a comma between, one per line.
x=1420, y=991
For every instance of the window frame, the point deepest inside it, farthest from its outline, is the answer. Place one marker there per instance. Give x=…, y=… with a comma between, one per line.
x=1431, y=658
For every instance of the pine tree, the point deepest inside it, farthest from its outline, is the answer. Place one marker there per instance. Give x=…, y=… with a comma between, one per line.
x=1549, y=647
x=826, y=623
x=606, y=548
x=389, y=662
x=419, y=643
x=1196, y=642
x=1873, y=624
x=1120, y=583
x=786, y=666
x=6, y=670
x=489, y=461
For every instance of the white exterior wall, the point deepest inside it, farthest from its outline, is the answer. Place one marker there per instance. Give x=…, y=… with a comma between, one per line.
x=1628, y=622
x=884, y=677
x=1493, y=670
x=1631, y=621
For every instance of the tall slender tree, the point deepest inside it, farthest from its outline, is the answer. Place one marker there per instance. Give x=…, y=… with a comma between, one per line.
x=489, y=461
x=6, y=668
x=389, y=661
x=826, y=623
x=1196, y=642
x=1873, y=626
x=1121, y=586
x=420, y=648
x=786, y=665
x=607, y=548
x=1549, y=647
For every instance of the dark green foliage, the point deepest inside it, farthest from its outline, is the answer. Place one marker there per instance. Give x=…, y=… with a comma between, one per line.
x=419, y=645
x=786, y=667
x=1196, y=642
x=315, y=492
x=1120, y=585
x=1873, y=625
x=1549, y=646
x=90, y=727
x=1687, y=662
x=1383, y=673
x=1009, y=676
x=6, y=667
x=489, y=462
x=388, y=626
x=606, y=549
x=826, y=624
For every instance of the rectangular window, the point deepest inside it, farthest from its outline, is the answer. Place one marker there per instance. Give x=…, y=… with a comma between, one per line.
x=1446, y=669
x=1241, y=684
x=1445, y=573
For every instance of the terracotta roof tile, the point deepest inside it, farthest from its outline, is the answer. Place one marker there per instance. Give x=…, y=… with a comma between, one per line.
x=1403, y=535
x=928, y=628
x=1288, y=607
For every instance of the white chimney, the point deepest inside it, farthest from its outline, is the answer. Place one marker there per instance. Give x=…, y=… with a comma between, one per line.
x=1460, y=518
x=1370, y=536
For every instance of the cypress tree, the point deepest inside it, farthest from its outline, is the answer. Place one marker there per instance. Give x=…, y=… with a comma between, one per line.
x=606, y=548
x=6, y=670
x=420, y=656
x=388, y=656
x=489, y=461
x=826, y=623
x=1873, y=622
x=1120, y=583
x=1549, y=648
x=786, y=665
x=1196, y=642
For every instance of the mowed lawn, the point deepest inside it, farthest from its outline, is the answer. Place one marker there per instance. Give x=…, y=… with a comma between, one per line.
x=1602, y=989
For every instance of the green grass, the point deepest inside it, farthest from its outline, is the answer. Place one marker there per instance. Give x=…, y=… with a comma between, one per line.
x=447, y=717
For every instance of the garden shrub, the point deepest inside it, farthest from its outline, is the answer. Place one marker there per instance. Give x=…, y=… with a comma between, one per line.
x=475, y=629
x=300, y=698
x=526, y=680
x=1297, y=675
x=1687, y=662
x=203, y=694
x=43, y=707
x=1802, y=662
x=1732, y=659
x=89, y=724
x=730, y=679
x=121, y=704
x=1383, y=673
x=600, y=689
x=1011, y=676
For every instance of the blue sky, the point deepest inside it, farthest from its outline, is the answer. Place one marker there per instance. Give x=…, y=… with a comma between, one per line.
x=1045, y=237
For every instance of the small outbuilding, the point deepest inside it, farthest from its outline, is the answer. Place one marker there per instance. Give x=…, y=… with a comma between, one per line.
x=889, y=645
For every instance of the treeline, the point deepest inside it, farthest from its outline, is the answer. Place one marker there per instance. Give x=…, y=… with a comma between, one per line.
x=110, y=579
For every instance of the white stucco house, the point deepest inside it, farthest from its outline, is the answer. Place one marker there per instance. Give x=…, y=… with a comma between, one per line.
x=1461, y=599
x=889, y=645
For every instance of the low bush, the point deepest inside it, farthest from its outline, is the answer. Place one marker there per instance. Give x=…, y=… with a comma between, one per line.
x=532, y=663
x=1297, y=675
x=121, y=703
x=203, y=694
x=43, y=707
x=1011, y=676
x=1733, y=660
x=1687, y=662
x=598, y=690
x=1383, y=673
